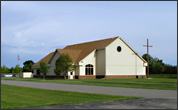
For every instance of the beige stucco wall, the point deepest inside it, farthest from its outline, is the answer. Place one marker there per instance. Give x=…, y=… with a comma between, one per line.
x=90, y=59
x=100, y=62
x=77, y=72
x=124, y=62
x=52, y=64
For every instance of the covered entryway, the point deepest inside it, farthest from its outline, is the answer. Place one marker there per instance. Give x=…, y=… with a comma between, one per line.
x=71, y=75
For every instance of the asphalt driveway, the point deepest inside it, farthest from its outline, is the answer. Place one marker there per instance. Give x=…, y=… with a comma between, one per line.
x=146, y=103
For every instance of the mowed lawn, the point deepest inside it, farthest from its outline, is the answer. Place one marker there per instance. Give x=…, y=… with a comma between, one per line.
x=154, y=83
x=20, y=97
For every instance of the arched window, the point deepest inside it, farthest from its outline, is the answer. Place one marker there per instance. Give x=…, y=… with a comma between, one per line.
x=89, y=69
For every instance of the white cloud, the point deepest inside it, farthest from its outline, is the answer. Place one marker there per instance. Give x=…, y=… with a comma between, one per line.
x=19, y=40
x=17, y=34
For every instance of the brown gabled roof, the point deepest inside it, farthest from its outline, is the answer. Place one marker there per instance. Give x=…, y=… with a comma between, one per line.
x=88, y=47
x=79, y=51
x=46, y=59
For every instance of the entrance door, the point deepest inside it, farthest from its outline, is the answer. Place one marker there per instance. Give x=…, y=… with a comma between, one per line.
x=71, y=75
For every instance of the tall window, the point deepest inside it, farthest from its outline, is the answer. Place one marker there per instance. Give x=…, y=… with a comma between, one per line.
x=89, y=69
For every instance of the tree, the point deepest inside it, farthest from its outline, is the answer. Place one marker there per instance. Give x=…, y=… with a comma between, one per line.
x=4, y=69
x=169, y=69
x=151, y=61
x=18, y=69
x=12, y=69
x=145, y=57
x=156, y=66
x=64, y=64
x=28, y=66
x=43, y=68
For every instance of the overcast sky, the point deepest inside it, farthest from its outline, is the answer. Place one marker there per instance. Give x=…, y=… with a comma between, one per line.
x=33, y=29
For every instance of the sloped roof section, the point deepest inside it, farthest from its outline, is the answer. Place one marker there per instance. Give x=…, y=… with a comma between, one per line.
x=74, y=54
x=46, y=59
x=88, y=47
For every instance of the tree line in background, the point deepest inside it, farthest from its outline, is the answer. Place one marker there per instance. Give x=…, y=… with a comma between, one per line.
x=17, y=69
x=63, y=64
x=156, y=66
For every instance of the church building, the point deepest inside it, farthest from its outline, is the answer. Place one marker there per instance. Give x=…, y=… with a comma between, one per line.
x=109, y=58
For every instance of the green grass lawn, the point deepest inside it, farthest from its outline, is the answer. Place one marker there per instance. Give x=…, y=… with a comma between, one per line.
x=20, y=97
x=154, y=83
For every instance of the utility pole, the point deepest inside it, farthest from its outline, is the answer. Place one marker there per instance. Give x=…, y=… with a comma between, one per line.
x=147, y=57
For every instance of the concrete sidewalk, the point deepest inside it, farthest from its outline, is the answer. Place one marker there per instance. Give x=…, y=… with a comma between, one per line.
x=146, y=93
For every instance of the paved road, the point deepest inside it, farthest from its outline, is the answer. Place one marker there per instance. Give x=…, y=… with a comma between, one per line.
x=146, y=93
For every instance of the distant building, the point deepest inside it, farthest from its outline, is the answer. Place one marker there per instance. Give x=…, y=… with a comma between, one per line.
x=108, y=58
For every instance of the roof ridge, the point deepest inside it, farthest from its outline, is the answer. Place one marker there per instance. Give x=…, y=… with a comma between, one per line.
x=68, y=49
x=92, y=41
